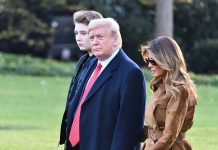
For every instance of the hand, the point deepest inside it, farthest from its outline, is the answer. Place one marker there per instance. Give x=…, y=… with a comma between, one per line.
x=148, y=144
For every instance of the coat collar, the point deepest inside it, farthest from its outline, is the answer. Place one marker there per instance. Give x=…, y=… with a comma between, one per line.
x=106, y=74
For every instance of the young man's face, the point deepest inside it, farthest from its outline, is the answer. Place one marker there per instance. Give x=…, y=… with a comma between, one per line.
x=82, y=37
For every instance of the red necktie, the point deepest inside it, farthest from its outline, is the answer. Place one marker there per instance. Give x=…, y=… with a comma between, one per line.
x=74, y=136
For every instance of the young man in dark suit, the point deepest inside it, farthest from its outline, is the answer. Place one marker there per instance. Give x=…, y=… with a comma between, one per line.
x=81, y=20
x=110, y=113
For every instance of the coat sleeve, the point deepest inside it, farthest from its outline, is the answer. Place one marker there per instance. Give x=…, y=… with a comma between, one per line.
x=130, y=120
x=63, y=123
x=175, y=115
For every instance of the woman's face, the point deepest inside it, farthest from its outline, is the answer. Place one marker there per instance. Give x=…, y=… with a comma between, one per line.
x=155, y=69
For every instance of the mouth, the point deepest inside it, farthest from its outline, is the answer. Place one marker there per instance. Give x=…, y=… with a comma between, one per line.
x=96, y=49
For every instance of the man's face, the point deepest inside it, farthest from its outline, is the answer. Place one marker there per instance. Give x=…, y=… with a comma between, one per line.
x=102, y=42
x=82, y=37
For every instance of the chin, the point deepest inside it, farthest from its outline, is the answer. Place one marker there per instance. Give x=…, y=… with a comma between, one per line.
x=96, y=54
x=83, y=49
x=154, y=75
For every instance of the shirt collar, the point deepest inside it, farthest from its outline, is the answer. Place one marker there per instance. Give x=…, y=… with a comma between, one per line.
x=105, y=62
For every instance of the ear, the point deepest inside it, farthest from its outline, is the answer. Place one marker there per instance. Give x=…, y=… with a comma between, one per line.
x=115, y=40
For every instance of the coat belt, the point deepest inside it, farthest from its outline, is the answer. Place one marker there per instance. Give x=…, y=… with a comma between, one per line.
x=157, y=134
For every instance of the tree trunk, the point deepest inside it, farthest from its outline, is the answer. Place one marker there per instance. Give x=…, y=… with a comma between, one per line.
x=164, y=18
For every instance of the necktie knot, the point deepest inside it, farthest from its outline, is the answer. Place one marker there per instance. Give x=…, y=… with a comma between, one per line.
x=99, y=66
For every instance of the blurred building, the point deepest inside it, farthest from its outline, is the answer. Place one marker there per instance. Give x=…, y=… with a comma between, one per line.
x=63, y=45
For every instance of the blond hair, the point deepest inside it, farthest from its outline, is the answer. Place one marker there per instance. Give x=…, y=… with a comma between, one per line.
x=85, y=16
x=112, y=25
x=168, y=55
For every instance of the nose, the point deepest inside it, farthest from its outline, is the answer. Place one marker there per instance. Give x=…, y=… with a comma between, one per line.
x=78, y=37
x=149, y=65
x=94, y=41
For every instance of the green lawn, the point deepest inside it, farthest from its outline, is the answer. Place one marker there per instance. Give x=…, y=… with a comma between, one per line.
x=30, y=112
x=31, y=109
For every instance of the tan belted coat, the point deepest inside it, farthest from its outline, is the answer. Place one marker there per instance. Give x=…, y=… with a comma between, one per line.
x=168, y=119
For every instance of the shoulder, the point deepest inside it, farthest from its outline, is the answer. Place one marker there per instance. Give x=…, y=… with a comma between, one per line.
x=124, y=64
x=187, y=94
x=182, y=91
x=179, y=99
x=83, y=57
x=130, y=68
x=126, y=61
x=181, y=87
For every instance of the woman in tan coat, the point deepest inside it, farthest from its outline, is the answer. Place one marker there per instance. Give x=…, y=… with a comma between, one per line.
x=171, y=109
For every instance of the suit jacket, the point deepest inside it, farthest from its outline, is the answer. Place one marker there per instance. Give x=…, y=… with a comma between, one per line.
x=169, y=119
x=79, y=73
x=112, y=115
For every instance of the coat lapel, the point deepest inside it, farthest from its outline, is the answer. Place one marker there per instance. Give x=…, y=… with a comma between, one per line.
x=106, y=74
x=85, y=79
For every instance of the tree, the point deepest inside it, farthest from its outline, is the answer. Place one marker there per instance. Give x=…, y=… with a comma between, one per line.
x=164, y=18
x=20, y=26
x=164, y=15
x=25, y=25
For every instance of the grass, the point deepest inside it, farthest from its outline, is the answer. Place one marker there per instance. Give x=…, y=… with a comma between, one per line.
x=31, y=109
x=204, y=134
x=30, y=112
x=27, y=65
